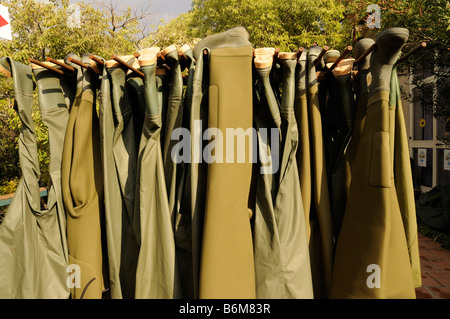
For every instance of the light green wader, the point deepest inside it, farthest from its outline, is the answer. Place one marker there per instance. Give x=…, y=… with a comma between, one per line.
x=282, y=264
x=372, y=259
x=33, y=247
x=82, y=185
x=156, y=263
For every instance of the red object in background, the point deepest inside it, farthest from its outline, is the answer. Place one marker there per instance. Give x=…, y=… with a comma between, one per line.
x=3, y=22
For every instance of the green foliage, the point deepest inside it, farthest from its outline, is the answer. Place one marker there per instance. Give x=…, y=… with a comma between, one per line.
x=40, y=29
x=9, y=187
x=284, y=24
x=177, y=31
x=427, y=21
x=9, y=133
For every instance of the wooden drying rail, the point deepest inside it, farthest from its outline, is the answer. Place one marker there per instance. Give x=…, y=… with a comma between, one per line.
x=321, y=54
x=63, y=65
x=341, y=57
x=407, y=55
x=79, y=63
x=45, y=66
x=365, y=54
x=116, y=58
x=299, y=52
x=94, y=58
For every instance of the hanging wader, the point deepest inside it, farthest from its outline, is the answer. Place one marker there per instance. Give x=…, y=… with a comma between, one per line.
x=372, y=259
x=156, y=263
x=82, y=185
x=282, y=264
x=33, y=246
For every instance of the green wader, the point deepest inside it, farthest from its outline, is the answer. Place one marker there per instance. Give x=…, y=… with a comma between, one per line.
x=198, y=123
x=55, y=115
x=372, y=259
x=303, y=149
x=403, y=178
x=321, y=240
x=183, y=225
x=33, y=247
x=174, y=169
x=338, y=116
x=156, y=263
x=227, y=264
x=282, y=264
x=113, y=201
x=119, y=154
x=172, y=121
x=82, y=185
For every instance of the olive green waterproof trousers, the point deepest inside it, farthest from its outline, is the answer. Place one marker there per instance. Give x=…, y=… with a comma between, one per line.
x=227, y=265
x=321, y=241
x=372, y=259
x=403, y=176
x=82, y=186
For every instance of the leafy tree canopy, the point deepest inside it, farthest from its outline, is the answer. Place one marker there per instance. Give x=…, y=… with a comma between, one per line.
x=284, y=24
